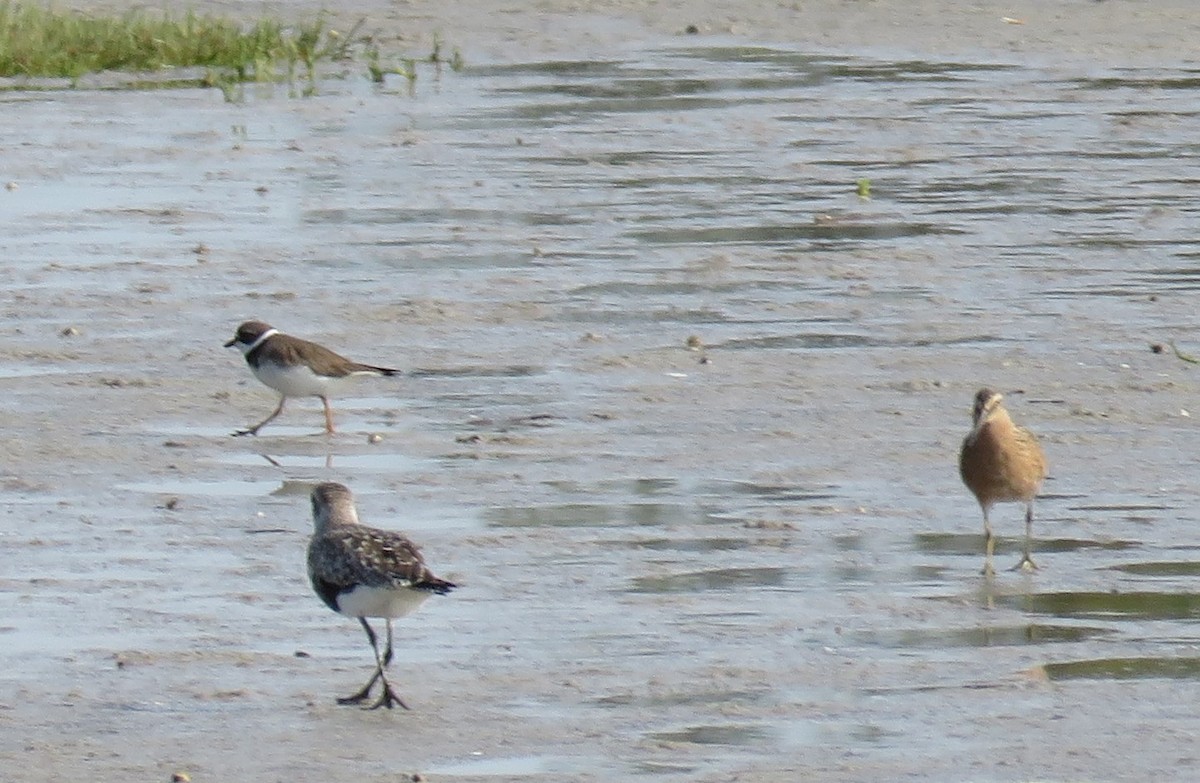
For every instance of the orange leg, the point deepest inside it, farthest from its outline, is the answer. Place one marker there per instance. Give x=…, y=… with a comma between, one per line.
x=254, y=430
x=328, y=416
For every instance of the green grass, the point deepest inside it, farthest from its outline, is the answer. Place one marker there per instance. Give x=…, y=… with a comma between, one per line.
x=41, y=42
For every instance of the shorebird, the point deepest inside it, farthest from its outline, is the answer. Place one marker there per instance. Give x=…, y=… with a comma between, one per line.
x=362, y=572
x=295, y=367
x=1000, y=462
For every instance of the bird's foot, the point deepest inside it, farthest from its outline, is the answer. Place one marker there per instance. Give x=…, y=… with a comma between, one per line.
x=358, y=697
x=248, y=431
x=389, y=699
x=1026, y=565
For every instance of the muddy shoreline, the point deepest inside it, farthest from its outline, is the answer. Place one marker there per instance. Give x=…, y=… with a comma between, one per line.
x=680, y=410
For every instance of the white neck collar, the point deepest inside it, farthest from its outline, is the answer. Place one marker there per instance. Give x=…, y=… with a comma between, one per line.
x=262, y=338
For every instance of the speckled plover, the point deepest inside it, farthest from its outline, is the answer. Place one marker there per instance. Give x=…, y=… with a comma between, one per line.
x=363, y=572
x=295, y=367
x=1001, y=461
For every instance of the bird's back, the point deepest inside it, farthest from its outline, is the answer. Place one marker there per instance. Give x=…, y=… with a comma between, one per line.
x=349, y=558
x=325, y=361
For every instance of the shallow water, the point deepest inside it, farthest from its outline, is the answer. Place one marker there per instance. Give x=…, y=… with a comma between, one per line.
x=750, y=558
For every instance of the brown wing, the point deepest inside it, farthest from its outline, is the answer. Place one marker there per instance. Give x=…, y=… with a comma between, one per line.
x=1032, y=455
x=1002, y=462
x=325, y=361
x=359, y=555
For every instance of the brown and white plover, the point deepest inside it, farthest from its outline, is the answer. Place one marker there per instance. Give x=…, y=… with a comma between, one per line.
x=999, y=462
x=363, y=572
x=295, y=367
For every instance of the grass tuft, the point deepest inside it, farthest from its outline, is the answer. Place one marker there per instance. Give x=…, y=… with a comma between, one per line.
x=39, y=41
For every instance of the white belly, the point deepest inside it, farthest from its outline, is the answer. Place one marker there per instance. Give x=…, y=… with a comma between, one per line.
x=298, y=381
x=380, y=602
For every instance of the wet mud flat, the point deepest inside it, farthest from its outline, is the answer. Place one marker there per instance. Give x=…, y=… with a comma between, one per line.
x=749, y=557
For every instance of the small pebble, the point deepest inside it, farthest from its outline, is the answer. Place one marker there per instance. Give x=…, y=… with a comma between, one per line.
x=70, y=331
x=1156, y=347
x=374, y=437
x=693, y=343
x=691, y=29
x=181, y=777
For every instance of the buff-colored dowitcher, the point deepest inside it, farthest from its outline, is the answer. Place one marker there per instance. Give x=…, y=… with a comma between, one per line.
x=1001, y=462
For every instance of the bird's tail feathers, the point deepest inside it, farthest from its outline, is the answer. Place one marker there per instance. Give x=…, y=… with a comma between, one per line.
x=435, y=585
x=370, y=369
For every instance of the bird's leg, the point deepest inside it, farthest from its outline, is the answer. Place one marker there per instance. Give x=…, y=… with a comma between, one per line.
x=366, y=690
x=328, y=415
x=388, y=698
x=362, y=694
x=1027, y=563
x=989, y=545
x=387, y=655
x=254, y=430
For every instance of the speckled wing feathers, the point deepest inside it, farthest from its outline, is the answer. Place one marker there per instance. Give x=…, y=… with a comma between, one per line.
x=352, y=555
